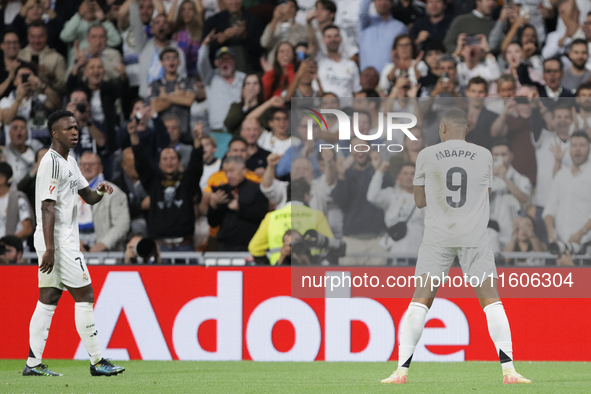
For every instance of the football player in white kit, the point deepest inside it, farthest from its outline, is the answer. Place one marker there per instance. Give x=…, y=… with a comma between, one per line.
x=453, y=181
x=61, y=264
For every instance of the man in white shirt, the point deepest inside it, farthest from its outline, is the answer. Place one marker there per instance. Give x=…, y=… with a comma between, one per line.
x=453, y=181
x=20, y=156
x=277, y=140
x=337, y=74
x=478, y=61
x=510, y=190
x=320, y=18
x=567, y=214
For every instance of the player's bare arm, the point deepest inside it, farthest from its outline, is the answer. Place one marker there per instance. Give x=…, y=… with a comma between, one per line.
x=92, y=197
x=48, y=219
x=420, y=197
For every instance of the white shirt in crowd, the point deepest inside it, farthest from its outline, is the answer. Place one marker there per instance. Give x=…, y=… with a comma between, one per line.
x=21, y=163
x=340, y=78
x=456, y=176
x=489, y=70
x=23, y=214
x=398, y=206
x=568, y=202
x=504, y=206
x=269, y=142
x=545, y=163
x=209, y=170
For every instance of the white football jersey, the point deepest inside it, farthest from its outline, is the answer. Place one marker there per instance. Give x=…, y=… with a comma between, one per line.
x=59, y=180
x=456, y=176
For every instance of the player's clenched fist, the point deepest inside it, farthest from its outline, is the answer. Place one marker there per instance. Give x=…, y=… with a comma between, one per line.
x=47, y=261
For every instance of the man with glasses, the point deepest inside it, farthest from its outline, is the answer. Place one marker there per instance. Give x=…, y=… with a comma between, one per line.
x=553, y=75
x=9, y=63
x=278, y=140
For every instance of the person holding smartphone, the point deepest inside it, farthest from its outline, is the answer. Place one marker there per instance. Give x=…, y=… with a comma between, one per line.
x=283, y=27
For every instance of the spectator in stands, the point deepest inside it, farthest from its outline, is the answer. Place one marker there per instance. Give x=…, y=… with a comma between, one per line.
x=514, y=57
x=302, y=85
x=377, y=33
x=30, y=99
x=527, y=36
x=409, y=154
x=363, y=223
x=278, y=140
x=524, y=239
x=149, y=48
x=481, y=121
x=509, y=21
x=200, y=107
x=173, y=94
x=173, y=126
x=319, y=19
x=90, y=137
x=222, y=84
x=583, y=100
x=211, y=165
x=32, y=12
x=13, y=250
x=514, y=125
x=252, y=98
x=446, y=83
x=510, y=191
x=283, y=28
x=540, y=13
x=27, y=184
x=433, y=25
x=432, y=53
x=369, y=79
x=404, y=52
x=479, y=21
x=408, y=11
x=276, y=80
x=151, y=131
x=567, y=214
x=20, y=156
x=551, y=147
x=239, y=30
x=102, y=100
x=172, y=192
x=130, y=184
x=553, y=74
x=15, y=212
x=586, y=28
x=237, y=208
x=478, y=61
x=577, y=73
x=76, y=29
x=187, y=31
x=398, y=205
x=257, y=157
x=9, y=61
x=558, y=41
x=338, y=75
x=308, y=148
x=103, y=227
x=52, y=66
x=294, y=215
x=97, y=47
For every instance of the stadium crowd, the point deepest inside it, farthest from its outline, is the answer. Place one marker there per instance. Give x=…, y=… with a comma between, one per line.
x=184, y=106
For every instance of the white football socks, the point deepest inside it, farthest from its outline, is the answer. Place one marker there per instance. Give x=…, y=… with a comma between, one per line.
x=500, y=333
x=84, y=317
x=38, y=332
x=410, y=333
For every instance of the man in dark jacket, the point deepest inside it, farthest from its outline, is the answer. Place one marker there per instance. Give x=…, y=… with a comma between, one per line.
x=239, y=30
x=237, y=207
x=171, y=216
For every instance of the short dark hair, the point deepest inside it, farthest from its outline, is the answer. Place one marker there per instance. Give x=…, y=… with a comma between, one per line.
x=435, y=46
x=79, y=90
x=578, y=41
x=38, y=23
x=562, y=105
x=18, y=117
x=298, y=189
x=408, y=164
x=584, y=86
x=237, y=139
x=502, y=143
x=14, y=241
x=581, y=134
x=274, y=110
x=330, y=27
x=369, y=92
x=56, y=116
x=554, y=59
x=133, y=103
x=329, y=5
x=178, y=155
x=9, y=30
x=478, y=81
x=168, y=50
x=6, y=170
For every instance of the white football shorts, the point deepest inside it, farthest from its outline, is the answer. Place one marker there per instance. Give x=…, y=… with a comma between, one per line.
x=476, y=261
x=69, y=269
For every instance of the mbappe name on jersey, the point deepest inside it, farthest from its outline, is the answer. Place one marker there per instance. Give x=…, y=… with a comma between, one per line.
x=444, y=154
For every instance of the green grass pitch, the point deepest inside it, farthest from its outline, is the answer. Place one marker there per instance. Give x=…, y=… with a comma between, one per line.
x=319, y=377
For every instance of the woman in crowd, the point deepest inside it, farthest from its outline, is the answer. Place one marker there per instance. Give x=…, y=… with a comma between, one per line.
x=187, y=32
x=405, y=59
x=524, y=240
x=277, y=80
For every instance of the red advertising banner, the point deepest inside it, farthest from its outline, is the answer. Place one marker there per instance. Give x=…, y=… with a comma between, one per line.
x=199, y=313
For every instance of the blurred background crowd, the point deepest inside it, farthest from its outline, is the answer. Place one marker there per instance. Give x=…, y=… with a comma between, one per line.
x=185, y=106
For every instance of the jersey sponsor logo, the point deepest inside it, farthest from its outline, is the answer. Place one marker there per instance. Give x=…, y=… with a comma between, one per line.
x=51, y=189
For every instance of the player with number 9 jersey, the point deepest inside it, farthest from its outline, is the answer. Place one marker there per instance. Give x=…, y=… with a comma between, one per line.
x=457, y=176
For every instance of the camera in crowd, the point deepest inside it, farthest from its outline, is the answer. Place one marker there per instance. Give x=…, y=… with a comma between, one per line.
x=559, y=248
x=330, y=248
